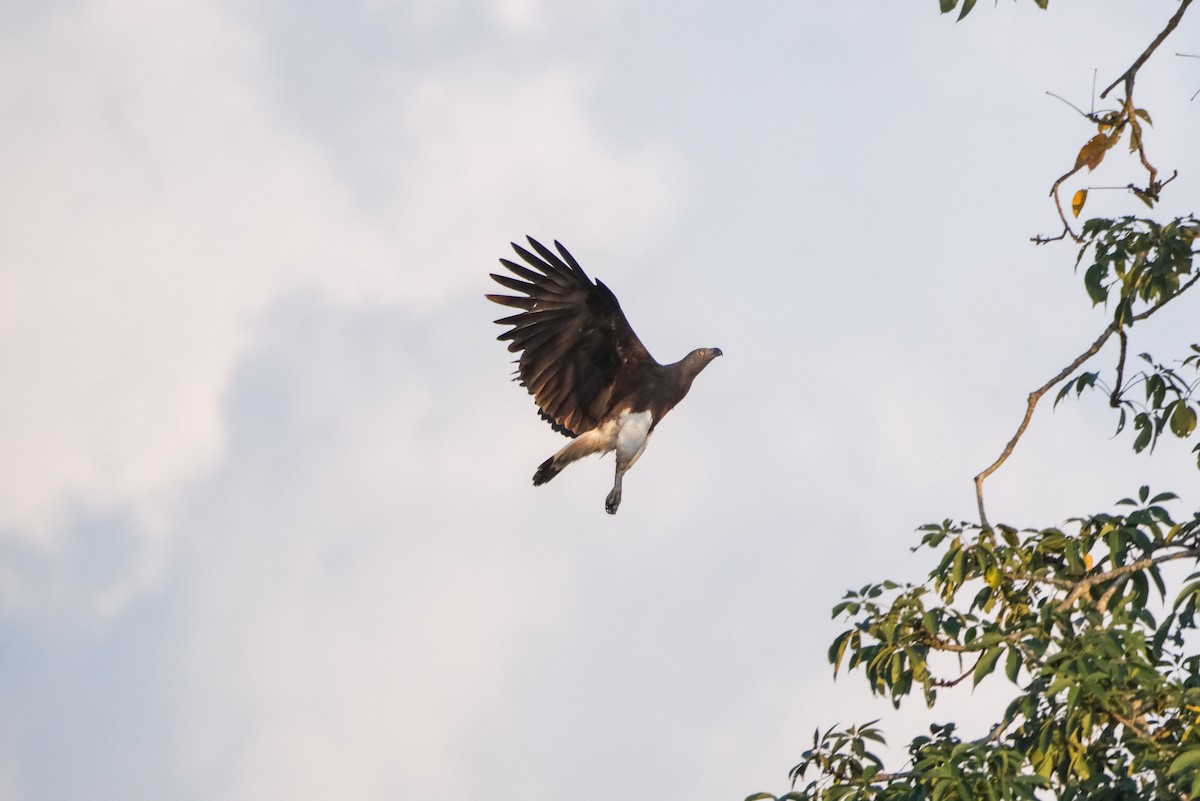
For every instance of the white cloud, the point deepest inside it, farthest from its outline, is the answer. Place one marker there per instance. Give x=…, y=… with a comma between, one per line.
x=356, y=661
x=152, y=208
x=158, y=200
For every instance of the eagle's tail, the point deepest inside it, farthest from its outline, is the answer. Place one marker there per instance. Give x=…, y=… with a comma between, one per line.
x=546, y=471
x=598, y=440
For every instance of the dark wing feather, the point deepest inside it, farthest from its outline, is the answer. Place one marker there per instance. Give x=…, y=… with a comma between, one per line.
x=577, y=348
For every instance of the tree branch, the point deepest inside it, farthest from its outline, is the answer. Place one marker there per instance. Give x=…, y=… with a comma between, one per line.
x=1031, y=404
x=1037, y=394
x=1117, y=572
x=1128, y=76
x=1114, y=399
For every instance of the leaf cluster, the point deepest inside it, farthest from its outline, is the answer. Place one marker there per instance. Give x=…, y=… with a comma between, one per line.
x=1138, y=263
x=1169, y=400
x=1077, y=619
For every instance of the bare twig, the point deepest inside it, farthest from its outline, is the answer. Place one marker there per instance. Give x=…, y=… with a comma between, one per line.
x=1069, y=103
x=1067, y=229
x=1037, y=394
x=1114, y=399
x=1128, y=76
x=1031, y=404
x=959, y=680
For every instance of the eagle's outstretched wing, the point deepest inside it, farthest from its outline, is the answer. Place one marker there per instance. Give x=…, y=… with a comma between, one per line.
x=576, y=345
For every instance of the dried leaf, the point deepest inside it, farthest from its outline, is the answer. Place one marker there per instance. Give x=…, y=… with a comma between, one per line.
x=1093, y=152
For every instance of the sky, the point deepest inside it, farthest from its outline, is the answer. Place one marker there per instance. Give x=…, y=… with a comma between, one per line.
x=266, y=522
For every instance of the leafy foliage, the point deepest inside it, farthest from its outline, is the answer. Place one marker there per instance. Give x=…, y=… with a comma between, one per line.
x=1169, y=401
x=1078, y=619
x=1144, y=262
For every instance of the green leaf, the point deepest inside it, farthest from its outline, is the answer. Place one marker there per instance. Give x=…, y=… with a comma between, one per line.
x=1012, y=665
x=1092, y=282
x=947, y=5
x=1145, y=429
x=1186, y=761
x=1183, y=420
x=837, y=650
x=966, y=8
x=1190, y=589
x=986, y=663
x=958, y=567
x=761, y=797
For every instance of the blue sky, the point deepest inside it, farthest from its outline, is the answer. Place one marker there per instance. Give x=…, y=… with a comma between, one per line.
x=266, y=524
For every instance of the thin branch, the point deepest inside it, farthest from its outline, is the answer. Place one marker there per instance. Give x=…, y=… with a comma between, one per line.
x=1133, y=727
x=1129, y=74
x=1114, y=400
x=1117, y=572
x=938, y=644
x=1106, y=598
x=1037, y=394
x=1067, y=229
x=1031, y=404
x=959, y=680
x=1157, y=306
x=996, y=731
x=1069, y=103
x=1062, y=584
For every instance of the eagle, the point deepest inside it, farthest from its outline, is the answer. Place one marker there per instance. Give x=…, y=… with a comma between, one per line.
x=592, y=378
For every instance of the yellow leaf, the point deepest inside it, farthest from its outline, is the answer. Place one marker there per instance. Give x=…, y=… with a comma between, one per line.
x=1087, y=559
x=1076, y=207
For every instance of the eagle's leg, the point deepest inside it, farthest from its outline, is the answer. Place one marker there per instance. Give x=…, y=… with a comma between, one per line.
x=632, y=436
x=614, y=497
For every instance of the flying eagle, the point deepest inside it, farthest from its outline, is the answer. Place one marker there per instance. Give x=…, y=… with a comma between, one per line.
x=590, y=375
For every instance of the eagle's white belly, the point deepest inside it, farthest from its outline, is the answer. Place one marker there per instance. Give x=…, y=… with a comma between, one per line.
x=633, y=432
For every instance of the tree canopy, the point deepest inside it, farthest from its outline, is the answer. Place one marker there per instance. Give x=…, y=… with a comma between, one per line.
x=1080, y=618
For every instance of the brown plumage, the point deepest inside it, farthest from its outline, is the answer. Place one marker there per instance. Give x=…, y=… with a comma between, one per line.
x=586, y=369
